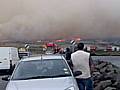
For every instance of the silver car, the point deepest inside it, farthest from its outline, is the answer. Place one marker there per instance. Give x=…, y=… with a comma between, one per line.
x=47, y=72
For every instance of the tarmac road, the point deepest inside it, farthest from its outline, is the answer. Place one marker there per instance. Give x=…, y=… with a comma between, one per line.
x=2, y=83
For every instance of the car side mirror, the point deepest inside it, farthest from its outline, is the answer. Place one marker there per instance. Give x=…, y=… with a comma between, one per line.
x=77, y=73
x=6, y=78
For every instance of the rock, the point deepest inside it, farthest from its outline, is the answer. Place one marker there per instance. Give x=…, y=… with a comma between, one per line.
x=109, y=68
x=115, y=84
x=111, y=76
x=103, y=84
x=102, y=70
x=95, y=70
x=96, y=82
x=118, y=86
x=100, y=66
x=110, y=88
x=97, y=87
x=99, y=77
x=106, y=76
x=95, y=73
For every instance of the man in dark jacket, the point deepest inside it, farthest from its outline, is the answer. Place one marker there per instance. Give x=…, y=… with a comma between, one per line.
x=68, y=54
x=68, y=57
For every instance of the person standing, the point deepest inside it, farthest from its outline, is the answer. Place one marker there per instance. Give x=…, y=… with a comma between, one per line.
x=68, y=57
x=68, y=54
x=82, y=61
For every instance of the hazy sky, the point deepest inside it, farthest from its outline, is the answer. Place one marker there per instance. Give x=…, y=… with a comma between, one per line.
x=43, y=19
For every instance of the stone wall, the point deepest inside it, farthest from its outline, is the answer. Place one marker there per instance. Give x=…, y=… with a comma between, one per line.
x=106, y=76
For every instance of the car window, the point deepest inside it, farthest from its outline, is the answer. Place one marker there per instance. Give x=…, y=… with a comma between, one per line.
x=43, y=68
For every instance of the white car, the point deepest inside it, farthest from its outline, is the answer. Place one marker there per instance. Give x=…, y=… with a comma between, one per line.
x=47, y=72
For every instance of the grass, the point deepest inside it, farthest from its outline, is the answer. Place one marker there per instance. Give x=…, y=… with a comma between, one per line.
x=106, y=53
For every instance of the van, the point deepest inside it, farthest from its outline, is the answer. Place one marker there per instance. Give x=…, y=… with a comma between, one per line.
x=8, y=57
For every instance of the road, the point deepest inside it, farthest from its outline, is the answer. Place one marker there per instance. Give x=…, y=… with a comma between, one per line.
x=2, y=83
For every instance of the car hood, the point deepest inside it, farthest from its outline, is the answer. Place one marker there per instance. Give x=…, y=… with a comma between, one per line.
x=43, y=84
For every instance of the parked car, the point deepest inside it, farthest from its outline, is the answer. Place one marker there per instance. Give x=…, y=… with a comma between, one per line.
x=47, y=72
x=24, y=54
x=8, y=57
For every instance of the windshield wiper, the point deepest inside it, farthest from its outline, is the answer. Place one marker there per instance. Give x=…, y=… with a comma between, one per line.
x=35, y=77
x=62, y=75
x=41, y=77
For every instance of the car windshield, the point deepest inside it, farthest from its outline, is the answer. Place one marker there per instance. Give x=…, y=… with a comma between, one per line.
x=41, y=69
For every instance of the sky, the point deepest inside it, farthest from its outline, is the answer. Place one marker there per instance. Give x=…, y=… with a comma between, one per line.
x=53, y=19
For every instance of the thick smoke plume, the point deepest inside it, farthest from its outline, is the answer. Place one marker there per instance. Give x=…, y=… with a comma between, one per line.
x=53, y=19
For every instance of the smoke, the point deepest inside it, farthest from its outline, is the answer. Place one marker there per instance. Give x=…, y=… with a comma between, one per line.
x=52, y=19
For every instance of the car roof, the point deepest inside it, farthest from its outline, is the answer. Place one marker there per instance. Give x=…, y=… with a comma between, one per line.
x=42, y=57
